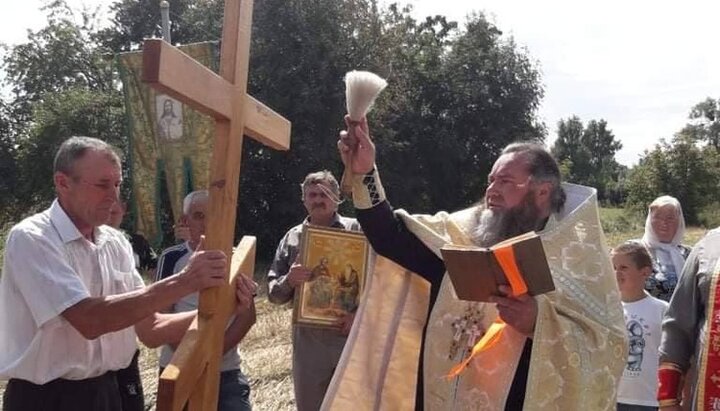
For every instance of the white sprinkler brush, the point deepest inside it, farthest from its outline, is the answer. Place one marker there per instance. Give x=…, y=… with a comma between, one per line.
x=361, y=90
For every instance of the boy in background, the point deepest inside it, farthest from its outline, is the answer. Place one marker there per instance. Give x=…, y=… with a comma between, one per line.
x=643, y=319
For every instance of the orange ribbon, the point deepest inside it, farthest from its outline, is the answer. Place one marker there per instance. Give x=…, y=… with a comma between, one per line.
x=505, y=256
x=491, y=337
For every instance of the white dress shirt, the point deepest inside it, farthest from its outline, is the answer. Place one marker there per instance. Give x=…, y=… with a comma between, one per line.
x=48, y=267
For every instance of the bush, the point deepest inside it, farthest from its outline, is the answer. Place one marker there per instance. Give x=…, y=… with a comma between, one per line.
x=709, y=215
x=621, y=220
x=621, y=224
x=4, y=229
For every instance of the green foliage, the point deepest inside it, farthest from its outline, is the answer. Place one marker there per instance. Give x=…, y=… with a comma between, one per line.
x=3, y=234
x=57, y=117
x=456, y=97
x=568, y=148
x=621, y=220
x=62, y=86
x=59, y=57
x=704, y=123
x=135, y=20
x=687, y=167
x=615, y=190
x=681, y=169
x=8, y=162
x=709, y=215
x=587, y=156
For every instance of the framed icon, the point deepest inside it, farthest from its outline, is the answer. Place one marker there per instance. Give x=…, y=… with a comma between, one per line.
x=339, y=261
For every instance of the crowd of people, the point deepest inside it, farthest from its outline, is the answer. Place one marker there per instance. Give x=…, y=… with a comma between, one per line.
x=635, y=329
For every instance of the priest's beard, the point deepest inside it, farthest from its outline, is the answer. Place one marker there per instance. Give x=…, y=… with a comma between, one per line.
x=495, y=226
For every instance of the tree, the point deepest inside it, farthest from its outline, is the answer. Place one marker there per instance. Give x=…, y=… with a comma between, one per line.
x=678, y=168
x=134, y=20
x=569, y=151
x=60, y=116
x=601, y=145
x=8, y=163
x=62, y=85
x=687, y=167
x=456, y=96
x=459, y=98
x=59, y=57
x=587, y=155
x=705, y=123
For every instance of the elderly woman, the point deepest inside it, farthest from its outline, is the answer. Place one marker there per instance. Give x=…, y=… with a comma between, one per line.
x=664, y=230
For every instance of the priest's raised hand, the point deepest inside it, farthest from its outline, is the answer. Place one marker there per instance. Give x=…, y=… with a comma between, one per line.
x=356, y=147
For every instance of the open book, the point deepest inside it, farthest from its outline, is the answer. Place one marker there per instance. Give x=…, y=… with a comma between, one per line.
x=476, y=272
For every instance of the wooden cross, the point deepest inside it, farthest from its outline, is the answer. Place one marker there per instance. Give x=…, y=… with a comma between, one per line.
x=193, y=374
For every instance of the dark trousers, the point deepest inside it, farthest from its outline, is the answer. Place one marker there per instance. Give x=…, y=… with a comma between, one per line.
x=130, y=385
x=234, y=392
x=92, y=394
x=516, y=396
x=633, y=407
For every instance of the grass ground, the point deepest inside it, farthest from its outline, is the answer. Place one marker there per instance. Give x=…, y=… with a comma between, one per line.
x=265, y=354
x=267, y=348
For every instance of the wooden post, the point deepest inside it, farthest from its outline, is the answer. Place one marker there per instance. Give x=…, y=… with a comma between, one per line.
x=193, y=373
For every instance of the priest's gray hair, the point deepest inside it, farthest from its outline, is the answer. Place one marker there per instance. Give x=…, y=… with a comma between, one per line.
x=74, y=148
x=542, y=168
x=198, y=195
x=323, y=177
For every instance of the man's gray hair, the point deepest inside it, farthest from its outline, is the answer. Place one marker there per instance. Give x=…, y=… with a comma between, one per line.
x=74, y=148
x=542, y=167
x=324, y=177
x=198, y=195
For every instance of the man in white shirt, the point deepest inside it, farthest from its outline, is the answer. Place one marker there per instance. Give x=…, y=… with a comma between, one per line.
x=70, y=294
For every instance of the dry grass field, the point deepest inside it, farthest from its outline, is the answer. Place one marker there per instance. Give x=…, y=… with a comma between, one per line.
x=265, y=352
x=267, y=348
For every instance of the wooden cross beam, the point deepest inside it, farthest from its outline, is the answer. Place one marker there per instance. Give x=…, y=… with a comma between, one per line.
x=193, y=374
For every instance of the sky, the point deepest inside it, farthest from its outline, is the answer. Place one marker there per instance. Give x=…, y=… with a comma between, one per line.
x=641, y=65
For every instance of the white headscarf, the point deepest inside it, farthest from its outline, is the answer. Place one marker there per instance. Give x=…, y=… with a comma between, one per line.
x=651, y=240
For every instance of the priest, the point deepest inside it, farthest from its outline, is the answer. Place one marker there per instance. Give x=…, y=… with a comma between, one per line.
x=562, y=350
x=691, y=333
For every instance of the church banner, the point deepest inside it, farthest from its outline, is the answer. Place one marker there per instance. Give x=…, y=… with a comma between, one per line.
x=167, y=140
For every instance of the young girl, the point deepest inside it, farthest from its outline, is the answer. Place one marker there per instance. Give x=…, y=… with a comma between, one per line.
x=643, y=320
